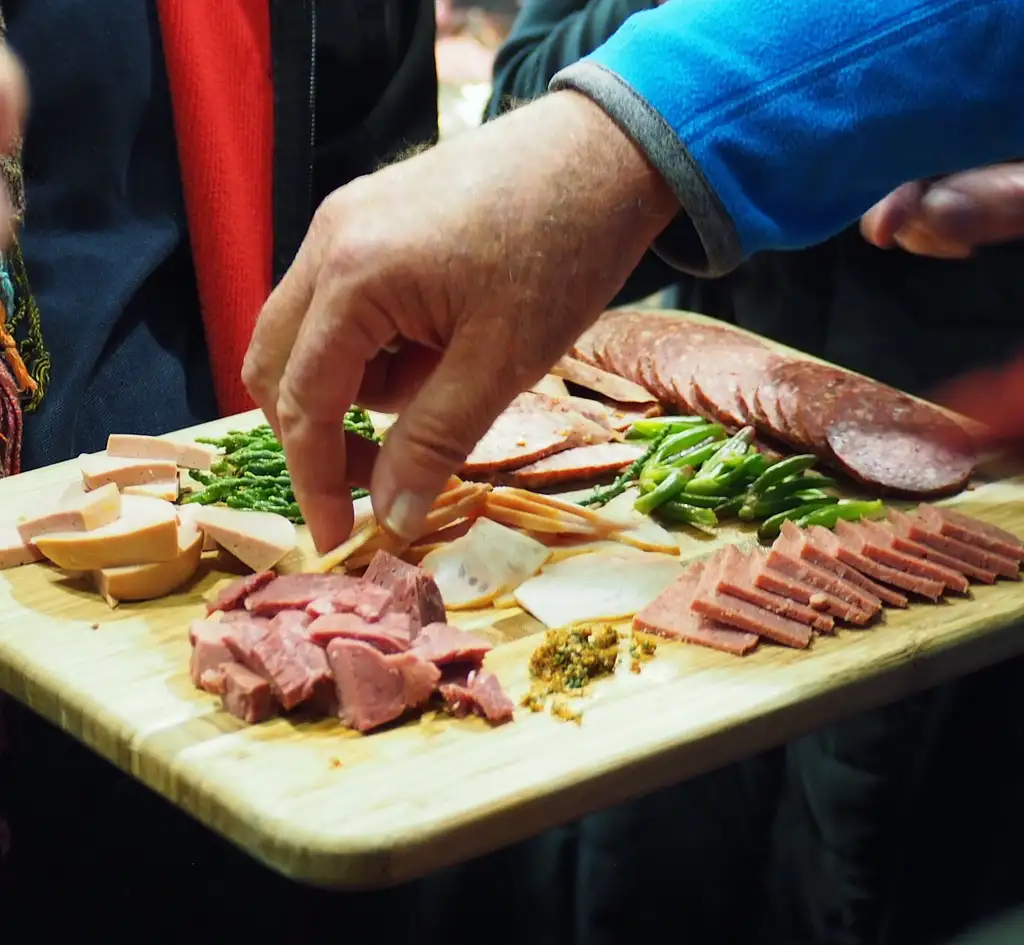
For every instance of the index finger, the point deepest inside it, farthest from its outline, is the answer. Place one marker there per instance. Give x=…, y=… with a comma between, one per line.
x=320, y=382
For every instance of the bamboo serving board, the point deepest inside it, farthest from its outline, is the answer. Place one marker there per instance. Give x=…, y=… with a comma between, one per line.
x=326, y=806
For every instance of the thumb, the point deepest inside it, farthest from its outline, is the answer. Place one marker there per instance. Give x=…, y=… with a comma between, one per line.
x=440, y=427
x=977, y=207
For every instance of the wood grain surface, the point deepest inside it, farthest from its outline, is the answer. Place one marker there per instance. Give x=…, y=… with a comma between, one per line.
x=325, y=806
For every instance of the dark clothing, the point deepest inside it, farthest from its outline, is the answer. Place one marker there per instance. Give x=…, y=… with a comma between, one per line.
x=105, y=238
x=864, y=829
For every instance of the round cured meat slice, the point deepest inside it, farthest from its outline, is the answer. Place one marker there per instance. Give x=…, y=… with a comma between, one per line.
x=819, y=385
x=726, y=379
x=893, y=443
x=611, y=340
x=716, y=385
x=584, y=347
x=622, y=352
x=781, y=394
x=672, y=364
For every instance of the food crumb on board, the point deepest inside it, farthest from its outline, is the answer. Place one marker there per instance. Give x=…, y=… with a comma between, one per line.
x=335, y=762
x=572, y=657
x=94, y=626
x=641, y=648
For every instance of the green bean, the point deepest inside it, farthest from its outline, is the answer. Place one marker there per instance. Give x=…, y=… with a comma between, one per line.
x=688, y=514
x=783, y=469
x=791, y=486
x=766, y=508
x=734, y=447
x=687, y=439
x=727, y=508
x=652, y=426
x=849, y=511
x=771, y=527
x=697, y=456
x=666, y=490
x=704, y=501
x=603, y=496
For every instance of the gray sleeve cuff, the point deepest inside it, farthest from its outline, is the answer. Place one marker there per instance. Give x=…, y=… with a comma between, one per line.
x=702, y=240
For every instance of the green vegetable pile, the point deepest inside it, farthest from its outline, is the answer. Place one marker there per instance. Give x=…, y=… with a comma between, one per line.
x=252, y=474
x=693, y=473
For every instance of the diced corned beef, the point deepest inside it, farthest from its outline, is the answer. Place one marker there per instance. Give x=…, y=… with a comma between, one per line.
x=209, y=651
x=442, y=643
x=743, y=615
x=369, y=601
x=240, y=636
x=212, y=681
x=904, y=528
x=736, y=578
x=786, y=558
x=974, y=531
x=824, y=552
x=802, y=591
x=475, y=691
x=669, y=615
x=880, y=543
x=457, y=698
x=293, y=620
x=235, y=594
x=297, y=591
x=390, y=634
x=243, y=616
x=849, y=549
x=927, y=527
x=490, y=698
x=247, y=696
x=374, y=688
x=295, y=668
x=412, y=589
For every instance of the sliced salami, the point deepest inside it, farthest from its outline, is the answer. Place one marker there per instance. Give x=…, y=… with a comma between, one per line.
x=608, y=345
x=581, y=462
x=787, y=396
x=724, y=372
x=820, y=385
x=891, y=442
x=584, y=347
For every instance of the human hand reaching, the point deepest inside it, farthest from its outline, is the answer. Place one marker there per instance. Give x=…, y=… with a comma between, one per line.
x=952, y=217
x=439, y=288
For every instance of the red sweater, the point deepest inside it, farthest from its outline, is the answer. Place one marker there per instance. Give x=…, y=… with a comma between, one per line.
x=218, y=59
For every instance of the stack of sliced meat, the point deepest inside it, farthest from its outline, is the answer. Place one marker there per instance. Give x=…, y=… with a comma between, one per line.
x=542, y=440
x=366, y=649
x=869, y=431
x=813, y=578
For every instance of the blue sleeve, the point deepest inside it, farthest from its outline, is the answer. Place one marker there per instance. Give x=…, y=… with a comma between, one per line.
x=778, y=123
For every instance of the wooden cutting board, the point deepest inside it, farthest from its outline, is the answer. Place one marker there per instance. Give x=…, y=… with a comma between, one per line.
x=326, y=806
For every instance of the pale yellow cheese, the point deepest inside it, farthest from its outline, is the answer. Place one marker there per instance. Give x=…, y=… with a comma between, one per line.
x=258, y=539
x=75, y=511
x=146, y=531
x=98, y=469
x=166, y=489
x=188, y=512
x=137, y=446
x=155, y=579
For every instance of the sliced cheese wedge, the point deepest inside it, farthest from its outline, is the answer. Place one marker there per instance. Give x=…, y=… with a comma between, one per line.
x=156, y=579
x=14, y=550
x=146, y=531
x=487, y=562
x=598, y=586
x=258, y=539
x=138, y=446
x=98, y=469
x=166, y=489
x=75, y=511
x=642, y=531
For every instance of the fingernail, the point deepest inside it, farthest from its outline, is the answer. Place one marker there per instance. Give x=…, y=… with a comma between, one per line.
x=405, y=517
